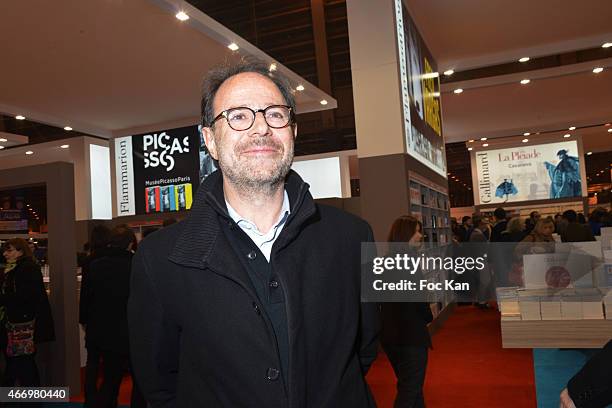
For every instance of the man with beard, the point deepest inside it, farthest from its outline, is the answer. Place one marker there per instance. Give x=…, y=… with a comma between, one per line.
x=254, y=299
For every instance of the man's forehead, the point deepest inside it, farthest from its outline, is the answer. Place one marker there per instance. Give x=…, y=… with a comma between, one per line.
x=247, y=88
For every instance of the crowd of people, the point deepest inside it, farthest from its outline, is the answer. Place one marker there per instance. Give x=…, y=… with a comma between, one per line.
x=569, y=225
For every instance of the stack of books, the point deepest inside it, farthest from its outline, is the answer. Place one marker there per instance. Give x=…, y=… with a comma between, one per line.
x=508, y=301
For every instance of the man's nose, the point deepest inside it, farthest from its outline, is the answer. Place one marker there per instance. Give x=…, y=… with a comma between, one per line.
x=260, y=126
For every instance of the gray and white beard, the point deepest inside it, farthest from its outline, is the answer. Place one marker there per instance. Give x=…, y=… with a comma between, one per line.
x=251, y=179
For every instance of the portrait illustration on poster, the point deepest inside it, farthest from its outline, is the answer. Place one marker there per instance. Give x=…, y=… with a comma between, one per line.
x=564, y=176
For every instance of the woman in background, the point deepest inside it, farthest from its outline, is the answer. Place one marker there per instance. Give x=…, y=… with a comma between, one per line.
x=24, y=307
x=405, y=336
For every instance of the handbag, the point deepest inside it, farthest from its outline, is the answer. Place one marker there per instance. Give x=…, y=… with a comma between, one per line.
x=20, y=339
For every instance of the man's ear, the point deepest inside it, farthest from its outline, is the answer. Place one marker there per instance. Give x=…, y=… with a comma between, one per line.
x=209, y=139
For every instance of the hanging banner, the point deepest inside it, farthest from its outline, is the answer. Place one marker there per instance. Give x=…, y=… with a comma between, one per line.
x=420, y=94
x=537, y=172
x=160, y=171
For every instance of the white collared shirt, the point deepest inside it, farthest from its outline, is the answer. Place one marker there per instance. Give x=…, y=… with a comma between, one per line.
x=263, y=241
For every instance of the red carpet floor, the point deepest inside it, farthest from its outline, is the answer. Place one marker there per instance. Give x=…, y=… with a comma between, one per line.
x=467, y=367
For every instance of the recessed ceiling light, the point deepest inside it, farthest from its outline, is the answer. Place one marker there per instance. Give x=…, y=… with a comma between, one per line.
x=29, y=152
x=485, y=144
x=526, y=134
x=606, y=45
x=67, y=128
x=597, y=70
x=572, y=128
x=323, y=102
x=181, y=15
x=65, y=146
x=299, y=88
x=449, y=72
x=272, y=67
x=471, y=140
x=607, y=124
x=589, y=153
x=483, y=138
x=1, y=147
x=524, y=59
x=609, y=130
x=525, y=140
x=525, y=81
x=470, y=148
x=233, y=47
x=3, y=139
x=458, y=90
x=20, y=117
x=567, y=135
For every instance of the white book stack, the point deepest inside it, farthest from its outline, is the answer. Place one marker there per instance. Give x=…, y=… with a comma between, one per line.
x=508, y=301
x=550, y=307
x=529, y=305
x=571, y=306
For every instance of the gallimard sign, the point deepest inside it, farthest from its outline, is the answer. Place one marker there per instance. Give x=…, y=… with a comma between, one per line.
x=538, y=172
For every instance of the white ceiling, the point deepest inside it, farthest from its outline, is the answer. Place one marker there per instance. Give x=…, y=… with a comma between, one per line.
x=475, y=33
x=114, y=67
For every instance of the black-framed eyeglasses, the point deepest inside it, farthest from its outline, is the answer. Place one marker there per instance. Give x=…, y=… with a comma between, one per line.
x=242, y=117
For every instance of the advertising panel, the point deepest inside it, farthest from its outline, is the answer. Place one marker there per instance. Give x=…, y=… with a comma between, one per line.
x=537, y=172
x=160, y=171
x=420, y=94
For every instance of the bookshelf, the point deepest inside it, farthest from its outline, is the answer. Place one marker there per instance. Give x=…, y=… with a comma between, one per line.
x=429, y=203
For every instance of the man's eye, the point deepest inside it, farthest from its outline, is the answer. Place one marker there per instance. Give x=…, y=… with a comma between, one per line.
x=237, y=116
x=275, y=115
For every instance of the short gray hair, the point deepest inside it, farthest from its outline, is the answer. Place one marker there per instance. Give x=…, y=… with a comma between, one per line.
x=219, y=74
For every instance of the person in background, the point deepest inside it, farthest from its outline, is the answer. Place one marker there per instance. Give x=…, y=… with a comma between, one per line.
x=481, y=231
x=596, y=220
x=500, y=224
x=23, y=303
x=467, y=226
x=539, y=241
x=480, y=235
x=531, y=222
x=106, y=336
x=575, y=231
x=591, y=387
x=405, y=336
x=514, y=230
x=560, y=224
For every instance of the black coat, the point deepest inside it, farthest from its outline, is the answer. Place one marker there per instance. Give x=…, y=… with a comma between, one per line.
x=104, y=294
x=591, y=387
x=405, y=324
x=497, y=230
x=199, y=337
x=575, y=232
x=24, y=297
